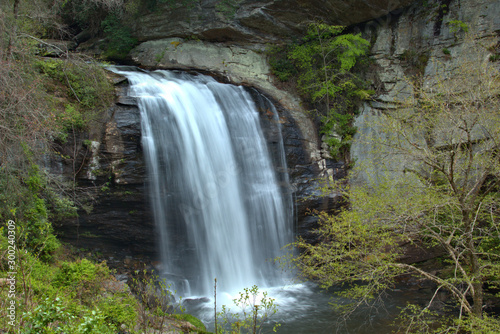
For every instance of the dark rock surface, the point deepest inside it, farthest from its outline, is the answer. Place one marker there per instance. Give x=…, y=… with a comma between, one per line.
x=255, y=21
x=121, y=223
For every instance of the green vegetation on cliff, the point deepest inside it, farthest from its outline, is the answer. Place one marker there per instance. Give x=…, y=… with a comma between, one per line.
x=47, y=104
x=446, y=201
x=326, y=64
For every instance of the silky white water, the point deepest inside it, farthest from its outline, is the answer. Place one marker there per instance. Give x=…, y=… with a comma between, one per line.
x=222, y=204
x=219, y=206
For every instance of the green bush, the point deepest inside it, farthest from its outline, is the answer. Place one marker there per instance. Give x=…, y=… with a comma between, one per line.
x=119, y=36
x=81, y=271
x=46, y=318
x=53, y=316
x=326, y=62
x=93, y=322
x=23, y=200
x=281, y=66
x=86, y=83
x=120, y=309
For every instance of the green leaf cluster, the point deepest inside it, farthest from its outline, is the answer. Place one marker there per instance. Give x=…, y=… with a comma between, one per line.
x=85, y=83
x=83, y=89
x=255, y=308
x=32, y=201
x=63, y=312
x=325, y=63
x=119, y=36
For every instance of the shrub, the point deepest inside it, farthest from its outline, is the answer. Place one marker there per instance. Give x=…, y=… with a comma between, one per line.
x=325, y=61
x=83, y=278
x=120, y=309
x=119, y=36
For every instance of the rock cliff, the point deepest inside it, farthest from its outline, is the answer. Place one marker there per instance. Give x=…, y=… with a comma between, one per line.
x=407, y=37
x=251, y=22
x=418, y=40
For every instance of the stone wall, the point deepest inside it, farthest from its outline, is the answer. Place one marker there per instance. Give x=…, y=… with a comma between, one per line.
x=417, y=41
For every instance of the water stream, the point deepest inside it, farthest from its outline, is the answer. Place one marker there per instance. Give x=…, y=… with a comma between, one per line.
x=218, y=205
x=223, y=208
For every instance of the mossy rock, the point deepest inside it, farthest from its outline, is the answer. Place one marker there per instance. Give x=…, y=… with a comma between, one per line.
x=193, y=321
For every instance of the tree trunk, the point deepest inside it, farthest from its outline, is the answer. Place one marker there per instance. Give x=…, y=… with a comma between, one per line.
x=475, y=270
x=13, y=34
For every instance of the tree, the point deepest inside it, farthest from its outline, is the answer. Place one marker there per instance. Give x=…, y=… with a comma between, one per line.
x=255, y=309
x=325, y=61
x=447, y=137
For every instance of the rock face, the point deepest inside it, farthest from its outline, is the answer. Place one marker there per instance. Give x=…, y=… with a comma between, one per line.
x=113, y=171
x=121, y=223
x=418, y=40
x=228, y=38
x=408, y=38
x=228, y=43
x=254, y=21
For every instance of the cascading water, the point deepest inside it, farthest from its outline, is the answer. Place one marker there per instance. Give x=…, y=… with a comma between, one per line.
x=217, y=200
x=221, y=208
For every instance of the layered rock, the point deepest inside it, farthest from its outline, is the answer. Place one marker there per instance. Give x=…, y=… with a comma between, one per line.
x=112, y=165
x=418, y=41
x=120, y=223
x=254, y=21
x=229, y=38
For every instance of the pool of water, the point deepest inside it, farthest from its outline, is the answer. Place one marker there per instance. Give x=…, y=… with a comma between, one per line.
x=305, y=308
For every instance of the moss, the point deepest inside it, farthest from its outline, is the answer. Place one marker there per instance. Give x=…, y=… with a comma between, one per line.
x=192, y=320
x=415, y=61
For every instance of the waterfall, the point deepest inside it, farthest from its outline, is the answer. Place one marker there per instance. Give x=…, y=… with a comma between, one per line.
x=218, y=201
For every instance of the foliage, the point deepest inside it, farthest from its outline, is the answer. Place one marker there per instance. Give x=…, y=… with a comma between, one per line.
x=73, y=274
x=85, y=82
x=120, y=308
x=46, y=313
x=281, y=66
x=457, y=26
x=85, y=89
x=445, y=198
x=52, y=316
x=326, y=60
x=26, y=198
x=227, y=8
x=157, y=301
x=119, y=36
x=255, y=308
x=67, y=297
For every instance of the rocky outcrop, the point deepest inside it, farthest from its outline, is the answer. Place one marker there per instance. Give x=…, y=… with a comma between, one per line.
x=417, y=41
x=113, y=172
x=230, y=46
x=250, y=21
x=229, y=38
